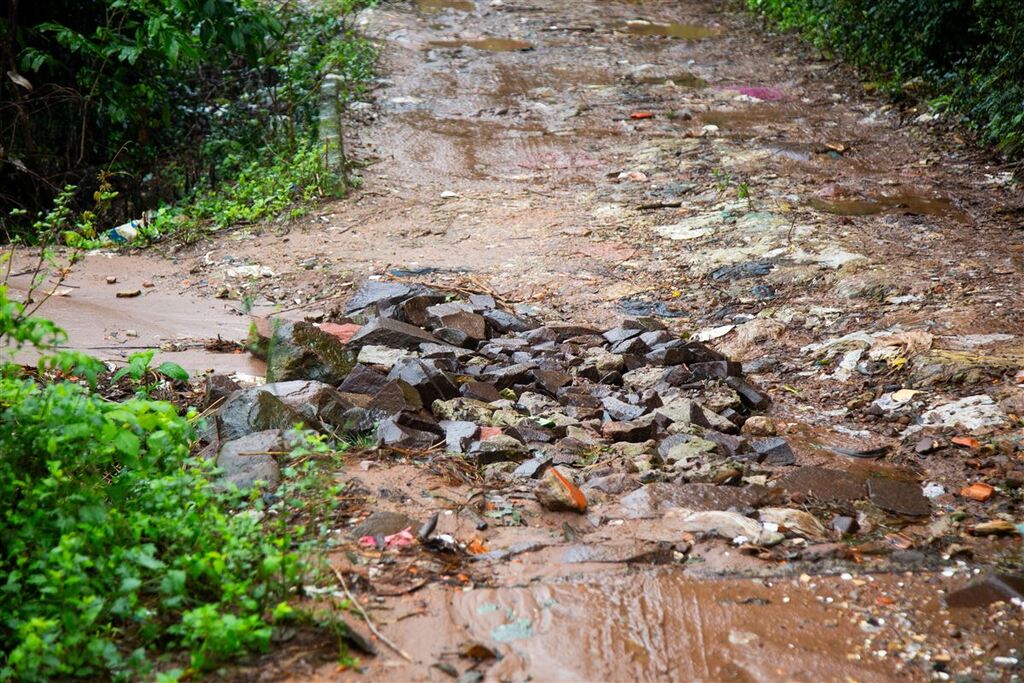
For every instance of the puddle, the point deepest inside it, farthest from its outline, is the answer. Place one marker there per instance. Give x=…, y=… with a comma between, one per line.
x=682, y=79
x=749, y=117
x=901, y=203
x=683, y=31
x=435, y=6
x=485, y=44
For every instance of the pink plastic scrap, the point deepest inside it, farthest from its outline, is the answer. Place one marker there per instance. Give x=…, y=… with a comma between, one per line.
x=392, y=542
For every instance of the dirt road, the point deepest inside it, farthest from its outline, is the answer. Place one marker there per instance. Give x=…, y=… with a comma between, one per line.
x=596, y=160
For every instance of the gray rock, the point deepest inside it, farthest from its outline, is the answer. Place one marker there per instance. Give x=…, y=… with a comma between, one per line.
x=393, y=334
x=384, y=523
x=385, y=294
x=280, y=405
x=458, y=434
x=382, y=356
x=246, y=461
x=301, y=350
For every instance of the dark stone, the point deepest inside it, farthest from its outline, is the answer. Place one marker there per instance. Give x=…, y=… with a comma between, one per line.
x=677, y=376
x=620, y=410
x=390, y=433
x=844, y=525
x=551, y=380
x=657, y=337
x=279, y=406
x=701, y=353
x=363, y=380
x=504, y=322
x=522, y=357
x=414, y=309
x=527, y=433
x=218, y=388
x=358, y=421
x=450, y=335
x=248, y=460
x=729, y=446
x=612, y=484
x=926, y=445
x=394, y=397
x=633, y=346
x=667, y=357
x=984, y=591
x=633, y=431
x=384, y=294
x=501, y=448
x=421, y=421
x=540, y=335
x=719, y=369
x=752, y=396
x=529, y=468
x=303, y=351
x=426, y=377
x=481, y=391
x=899, y=497
x=568, y=330
x=618, y=334
x=503, y=377
x=470, y=324
x=482, y=302
x=458, y=434
x=393, y=334
x=773, y=451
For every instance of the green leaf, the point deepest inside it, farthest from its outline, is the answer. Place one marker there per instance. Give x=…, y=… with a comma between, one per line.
x=173, y=371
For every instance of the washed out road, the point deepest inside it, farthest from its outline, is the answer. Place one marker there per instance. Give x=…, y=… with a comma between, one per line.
x=594, y=161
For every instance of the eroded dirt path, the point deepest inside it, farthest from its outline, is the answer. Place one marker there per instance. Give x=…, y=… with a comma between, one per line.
x=587, y=166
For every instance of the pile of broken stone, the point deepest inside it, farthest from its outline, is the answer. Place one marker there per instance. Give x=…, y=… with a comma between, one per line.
x=422, y=372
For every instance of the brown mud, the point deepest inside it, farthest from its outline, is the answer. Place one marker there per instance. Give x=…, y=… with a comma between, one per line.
x=755, y=196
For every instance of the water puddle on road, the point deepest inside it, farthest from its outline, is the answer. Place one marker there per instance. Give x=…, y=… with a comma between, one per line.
x=485, y=44
x=901, y=203
x=683, y=31
x=683, y=79
x=435, y=6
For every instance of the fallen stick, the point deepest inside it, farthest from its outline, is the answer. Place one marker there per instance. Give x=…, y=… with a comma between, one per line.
x=366, y=617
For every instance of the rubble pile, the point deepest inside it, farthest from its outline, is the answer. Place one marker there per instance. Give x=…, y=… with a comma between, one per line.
x=420, y=371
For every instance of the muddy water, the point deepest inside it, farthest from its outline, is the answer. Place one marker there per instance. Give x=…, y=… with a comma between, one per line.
x=900, y=203
x=164, y=316
x=485, y=44
x=671, y=30
x=433, y=6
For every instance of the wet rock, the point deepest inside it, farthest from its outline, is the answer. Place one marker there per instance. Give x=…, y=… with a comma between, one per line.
x=248, y=462
x=987, y=590
x=383, y=523
x=218, y=388
x=429, y=380
x=501, y=448
x=363, y=380
x=458, y=434
x=899, y=497
x=480, y=391
x=773, y=451
x=395, y=397
x=392, y=334
x=557, y=492
x=619, y=410
x=715, y=370
x=280, y=405
x=504, y=322
x=463, y=409
x=751, y=396
x=301, y=350
x=612, y=484
x=391, y=433
x=383, y=294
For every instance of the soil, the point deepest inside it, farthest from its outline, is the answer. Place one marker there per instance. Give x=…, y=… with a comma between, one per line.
x=596, y=160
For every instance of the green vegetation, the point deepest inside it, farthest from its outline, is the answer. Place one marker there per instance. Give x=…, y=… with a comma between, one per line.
x=968, y=52
x=207, y=108
x=121, y=557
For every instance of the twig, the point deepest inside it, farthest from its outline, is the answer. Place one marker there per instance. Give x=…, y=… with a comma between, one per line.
x=366, y=617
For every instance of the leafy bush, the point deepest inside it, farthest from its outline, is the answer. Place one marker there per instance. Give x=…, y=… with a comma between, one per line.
x=161, y=100
x=967, y=50
x=117, y=545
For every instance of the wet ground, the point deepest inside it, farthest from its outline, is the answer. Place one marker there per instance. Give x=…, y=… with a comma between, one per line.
x=598, y=159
